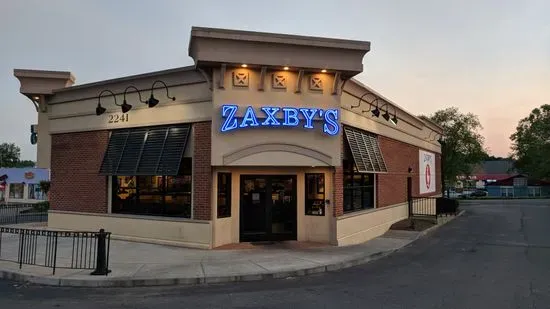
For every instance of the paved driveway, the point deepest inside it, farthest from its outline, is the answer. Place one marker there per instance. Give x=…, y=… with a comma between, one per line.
x=495, y=256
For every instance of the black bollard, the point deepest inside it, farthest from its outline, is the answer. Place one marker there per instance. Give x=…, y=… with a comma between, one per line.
x=101, y=260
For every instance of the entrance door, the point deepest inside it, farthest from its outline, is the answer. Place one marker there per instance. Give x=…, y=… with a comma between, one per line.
x=268, y=207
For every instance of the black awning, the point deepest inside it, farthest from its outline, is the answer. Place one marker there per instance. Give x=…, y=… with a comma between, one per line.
x=145, y=151
x=365, y=151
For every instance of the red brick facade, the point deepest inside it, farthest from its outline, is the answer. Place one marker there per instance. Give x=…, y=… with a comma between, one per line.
x=202, y=171
x=399, y=156
x=338, y=207
x=391, y=187
x=75, y=181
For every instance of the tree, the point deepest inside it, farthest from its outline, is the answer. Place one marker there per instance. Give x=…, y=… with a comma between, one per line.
x=462, y=144
x=9, y=156
x=531, y=143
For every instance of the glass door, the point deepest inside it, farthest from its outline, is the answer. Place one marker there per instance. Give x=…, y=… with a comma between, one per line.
x=268, y=208
x=253, y=214
x=283, y=207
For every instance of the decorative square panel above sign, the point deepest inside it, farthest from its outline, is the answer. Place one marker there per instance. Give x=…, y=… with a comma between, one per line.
x=315, y=83
x=241, y=79
x=278, y=81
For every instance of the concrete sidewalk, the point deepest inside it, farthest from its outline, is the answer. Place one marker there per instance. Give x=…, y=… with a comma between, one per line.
x=139, y=264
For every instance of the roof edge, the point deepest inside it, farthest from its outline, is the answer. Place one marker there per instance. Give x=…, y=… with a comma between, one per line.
x=269, y=37
x=126, y=78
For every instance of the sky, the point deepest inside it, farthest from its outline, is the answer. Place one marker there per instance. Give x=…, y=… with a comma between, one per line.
x=487, y=57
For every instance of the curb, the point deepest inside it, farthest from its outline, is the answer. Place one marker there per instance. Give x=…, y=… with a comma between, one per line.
x=142, y=282
x=435, y=227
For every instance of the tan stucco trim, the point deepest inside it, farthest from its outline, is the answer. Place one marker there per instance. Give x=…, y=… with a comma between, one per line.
x=245, y=152
x=378, y=127
x=135, y=107
x=44, y=74
x=137, y=217
x=127, y=78
x=267, y=37
x=150, y=229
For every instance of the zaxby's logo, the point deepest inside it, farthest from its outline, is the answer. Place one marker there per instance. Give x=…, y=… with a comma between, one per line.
x=428, y=160
x=29, y=175
x=271, y=117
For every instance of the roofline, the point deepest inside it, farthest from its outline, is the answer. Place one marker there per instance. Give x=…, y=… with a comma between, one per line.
x=431, y=122
x=126, y=78
x=269, y=37
x=43, y=74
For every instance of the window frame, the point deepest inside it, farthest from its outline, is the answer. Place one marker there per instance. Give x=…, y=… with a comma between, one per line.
x=186, y=170
x=309, y=203
x=12, y=192
x=349, y=193
x=226, y=192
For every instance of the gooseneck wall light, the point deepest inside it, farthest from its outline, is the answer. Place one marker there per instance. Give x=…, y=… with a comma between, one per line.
x=125, y=106
x=151, y=102
x=377, y=108
x=100, y=109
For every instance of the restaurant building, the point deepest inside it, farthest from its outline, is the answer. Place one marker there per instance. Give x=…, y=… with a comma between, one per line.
x=267, y=137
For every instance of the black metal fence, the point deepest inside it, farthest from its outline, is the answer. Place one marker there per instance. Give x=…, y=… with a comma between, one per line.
x=429, y=206
x=56, y=249
x=22, y=213
x=423, y=207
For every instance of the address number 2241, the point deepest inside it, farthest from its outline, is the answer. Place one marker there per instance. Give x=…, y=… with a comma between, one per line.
x=116, y=118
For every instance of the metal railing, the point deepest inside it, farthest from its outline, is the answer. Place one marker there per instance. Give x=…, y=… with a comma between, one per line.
x=423, y=207
x=56, y=249
x=22, y=213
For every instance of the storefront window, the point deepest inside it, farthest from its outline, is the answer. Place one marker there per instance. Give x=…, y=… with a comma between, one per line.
x=35, y=193
x=16, y=190
x=358, y=189
x=224, y=195
x=154, y=195
x=315, y=194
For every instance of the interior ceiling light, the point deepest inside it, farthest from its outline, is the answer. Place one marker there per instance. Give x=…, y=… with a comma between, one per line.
x=323, y=71
x=286, y=68
x=244, y=65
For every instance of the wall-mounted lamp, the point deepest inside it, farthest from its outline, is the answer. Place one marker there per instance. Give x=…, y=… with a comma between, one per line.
x=125, y=106
x=376, y=112
x=152, y=102
x=388, y=117
x=100, y=109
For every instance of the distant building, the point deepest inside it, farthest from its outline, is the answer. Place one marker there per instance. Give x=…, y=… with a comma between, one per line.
x=492, y=171
x=518, y=186
x=22, y=185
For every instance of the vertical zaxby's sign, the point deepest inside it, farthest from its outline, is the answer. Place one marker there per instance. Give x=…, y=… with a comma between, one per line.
x=427, y=172
x=269, y=116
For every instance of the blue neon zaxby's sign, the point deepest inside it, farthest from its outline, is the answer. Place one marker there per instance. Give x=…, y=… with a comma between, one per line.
x=269, y=116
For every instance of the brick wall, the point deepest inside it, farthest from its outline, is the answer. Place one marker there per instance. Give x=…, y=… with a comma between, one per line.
x=75, y=181
x=202, y=171
x=338, y=207
x=399, y=156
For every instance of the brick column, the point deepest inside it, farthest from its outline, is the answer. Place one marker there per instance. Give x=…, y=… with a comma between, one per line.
x=75, y=181
x=202, y=170
x=338, y=204
x=338, y=207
